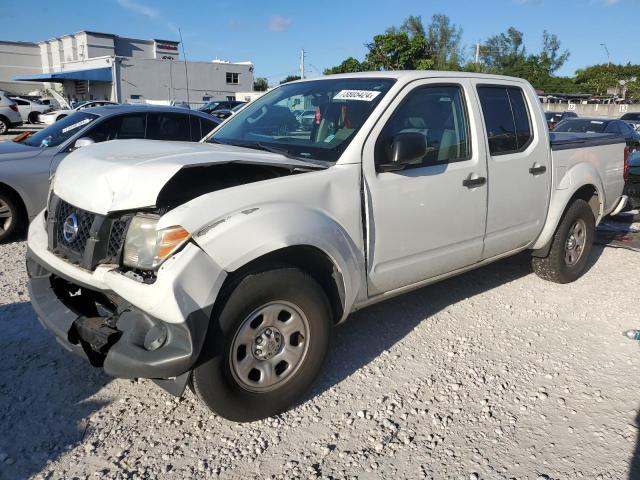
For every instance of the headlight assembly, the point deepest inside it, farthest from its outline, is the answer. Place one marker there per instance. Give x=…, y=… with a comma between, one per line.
x=146, y=247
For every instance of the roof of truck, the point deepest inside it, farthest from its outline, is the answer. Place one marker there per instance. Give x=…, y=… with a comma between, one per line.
x=416, y=74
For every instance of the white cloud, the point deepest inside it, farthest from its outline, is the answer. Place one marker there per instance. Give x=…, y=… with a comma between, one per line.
x=278, y=23
x=137, y=7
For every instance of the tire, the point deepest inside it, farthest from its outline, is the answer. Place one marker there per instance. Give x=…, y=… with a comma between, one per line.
x=224, y=380
x=11, y=216
x=560, y=265
x=33, y=117
x=4, y=126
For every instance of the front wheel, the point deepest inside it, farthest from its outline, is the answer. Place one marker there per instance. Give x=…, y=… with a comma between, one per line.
x=570, y=247
x=11, y=217
x=266, y=347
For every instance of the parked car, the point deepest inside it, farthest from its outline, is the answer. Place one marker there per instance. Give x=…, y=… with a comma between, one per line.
x=226, y=113
x=632, y=184
x=50, y=118
x=553, y=118
x=225, y=264
x=220, y=105
x=25, y=167
x=306, y=118
x=9, y=114
x=601, y=125
x=30, y=109
x=633, y=119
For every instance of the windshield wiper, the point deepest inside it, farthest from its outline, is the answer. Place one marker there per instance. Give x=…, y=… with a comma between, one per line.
x=287, y=154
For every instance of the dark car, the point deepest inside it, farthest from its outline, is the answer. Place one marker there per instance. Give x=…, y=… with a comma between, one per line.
x=633, y=119
x=225, y=113
x=616, y=126
x=553, y=118
x=220, y=105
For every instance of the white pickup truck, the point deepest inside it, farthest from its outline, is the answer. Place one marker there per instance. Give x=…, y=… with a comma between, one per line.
x=224, y=264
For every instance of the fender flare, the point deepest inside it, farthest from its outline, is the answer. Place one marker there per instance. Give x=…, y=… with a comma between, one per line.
x=240, y=238
x=577, y=177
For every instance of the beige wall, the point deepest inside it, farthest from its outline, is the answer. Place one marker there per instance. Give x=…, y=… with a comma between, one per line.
x=592, y=110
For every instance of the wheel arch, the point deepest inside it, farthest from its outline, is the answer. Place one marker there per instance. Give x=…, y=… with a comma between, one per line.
x=589, y=192
x=5, y=187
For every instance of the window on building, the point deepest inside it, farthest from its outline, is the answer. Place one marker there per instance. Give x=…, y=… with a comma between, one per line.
x=506, y=119
x=206, y=99
x=136, y=97
x=438, y=113
x=232, y=78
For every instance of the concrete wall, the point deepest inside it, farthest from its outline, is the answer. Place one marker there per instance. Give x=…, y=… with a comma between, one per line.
x=165, y=80
x=592, y=110
x=18, y=59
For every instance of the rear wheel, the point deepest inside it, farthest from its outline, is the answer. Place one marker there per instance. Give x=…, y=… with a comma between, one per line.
x=570, y=247
x=266, y=347
x=10, y=216
x=33, y=117
x=4, y=126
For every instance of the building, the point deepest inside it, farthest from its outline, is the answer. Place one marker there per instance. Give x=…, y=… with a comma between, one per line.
x=102, y=66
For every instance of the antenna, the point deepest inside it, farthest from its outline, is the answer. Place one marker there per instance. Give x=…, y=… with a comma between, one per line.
x=186, y=72
x=186, y=75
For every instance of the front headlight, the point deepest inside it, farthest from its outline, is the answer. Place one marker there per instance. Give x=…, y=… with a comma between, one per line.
x=146, y=247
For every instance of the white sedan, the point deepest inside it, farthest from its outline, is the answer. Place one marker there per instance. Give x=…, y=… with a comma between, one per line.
x=50, y=118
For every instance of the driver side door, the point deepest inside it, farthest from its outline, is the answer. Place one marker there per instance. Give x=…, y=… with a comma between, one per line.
x=429, y=218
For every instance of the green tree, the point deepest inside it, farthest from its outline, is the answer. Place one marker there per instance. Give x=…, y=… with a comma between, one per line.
x=551, y=58
x=290, y=78
x=503, y=51
x=443, y=43
x=348, y=66
x=396, y=50
x=260, y=84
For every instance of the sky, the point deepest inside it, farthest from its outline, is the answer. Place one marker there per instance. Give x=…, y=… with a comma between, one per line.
x=271, y=33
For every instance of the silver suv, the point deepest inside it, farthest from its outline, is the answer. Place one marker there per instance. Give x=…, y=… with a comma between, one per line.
x=9, y=114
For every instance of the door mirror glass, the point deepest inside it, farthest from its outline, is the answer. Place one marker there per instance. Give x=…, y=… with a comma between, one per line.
x=407, y=148
x=83, y=142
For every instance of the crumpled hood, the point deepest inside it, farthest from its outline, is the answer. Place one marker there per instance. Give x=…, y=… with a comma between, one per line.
x=13, y=151
x=129, y=174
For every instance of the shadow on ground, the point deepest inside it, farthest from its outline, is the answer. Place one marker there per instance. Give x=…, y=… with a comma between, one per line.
x=44, y=394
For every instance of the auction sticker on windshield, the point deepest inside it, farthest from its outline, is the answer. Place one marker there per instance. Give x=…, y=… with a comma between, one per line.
x=77, y=124
x=363, y=95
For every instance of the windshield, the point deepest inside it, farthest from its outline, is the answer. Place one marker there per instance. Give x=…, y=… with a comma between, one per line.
x=553, y=117
x=209, y=106
x=61, y=131
x=581, y=126
x=630, y=116
x=340, y=108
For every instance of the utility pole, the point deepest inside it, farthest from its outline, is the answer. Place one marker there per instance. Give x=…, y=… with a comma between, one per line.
x=478, y=53
x=608, y=54
x=302, y=63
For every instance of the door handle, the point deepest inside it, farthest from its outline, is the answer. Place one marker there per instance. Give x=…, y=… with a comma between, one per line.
x=537, y=170
x=474, y=182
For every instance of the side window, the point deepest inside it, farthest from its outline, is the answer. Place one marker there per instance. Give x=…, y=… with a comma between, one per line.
x=168, y=126
x=506, y=119
x=196, y=134
x=21, y=102
x=207, y=126
x=613, y=127
x=438, y=113
x=121, y=127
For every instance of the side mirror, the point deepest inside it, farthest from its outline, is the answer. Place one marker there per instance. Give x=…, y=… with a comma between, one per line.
x=83, y=142
x=406, y=148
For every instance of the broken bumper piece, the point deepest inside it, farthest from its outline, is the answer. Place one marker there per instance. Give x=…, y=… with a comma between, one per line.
x=112, y=334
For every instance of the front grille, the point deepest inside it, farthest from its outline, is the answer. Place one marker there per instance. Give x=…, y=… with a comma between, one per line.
x=85, y=238
x=76, y=218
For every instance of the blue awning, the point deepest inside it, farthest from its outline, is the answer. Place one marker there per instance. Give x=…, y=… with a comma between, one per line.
x=94, y=74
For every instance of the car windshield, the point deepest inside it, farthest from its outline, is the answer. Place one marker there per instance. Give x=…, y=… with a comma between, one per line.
x=341, y=106
x=209, y=106
x=630, y=116
x=553, y=117
x=581, y=126
x=60, y=131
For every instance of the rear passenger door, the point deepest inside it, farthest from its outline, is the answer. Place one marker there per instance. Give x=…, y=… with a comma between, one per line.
x=429, y=218
x=518, y=162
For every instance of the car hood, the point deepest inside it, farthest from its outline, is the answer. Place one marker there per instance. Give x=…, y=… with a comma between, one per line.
x=13, y=151
x=129, y=174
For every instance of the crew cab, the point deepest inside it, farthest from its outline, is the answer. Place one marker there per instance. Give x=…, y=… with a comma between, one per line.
x=224, y=264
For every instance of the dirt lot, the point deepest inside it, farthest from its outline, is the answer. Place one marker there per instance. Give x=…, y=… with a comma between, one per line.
x=494, y=374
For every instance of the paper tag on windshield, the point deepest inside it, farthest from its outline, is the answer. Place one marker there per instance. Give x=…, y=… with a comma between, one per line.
x=363, y=95
x=77, y=124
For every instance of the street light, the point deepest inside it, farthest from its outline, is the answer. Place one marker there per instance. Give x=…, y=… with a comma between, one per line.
x=608, y=54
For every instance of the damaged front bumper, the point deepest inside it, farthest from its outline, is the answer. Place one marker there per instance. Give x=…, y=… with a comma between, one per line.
x=129, y=329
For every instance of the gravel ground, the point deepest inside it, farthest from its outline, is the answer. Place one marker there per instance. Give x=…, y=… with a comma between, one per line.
x=493, y=374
